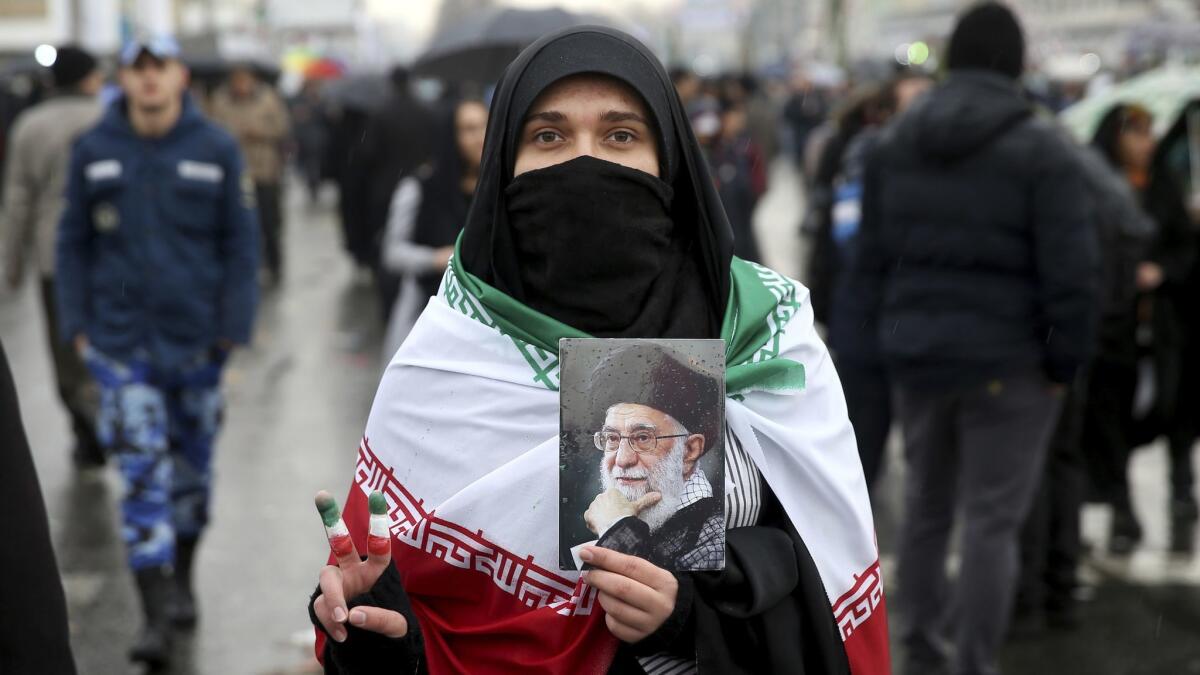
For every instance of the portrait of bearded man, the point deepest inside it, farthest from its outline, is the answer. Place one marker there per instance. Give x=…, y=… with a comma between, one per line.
x=661, y=412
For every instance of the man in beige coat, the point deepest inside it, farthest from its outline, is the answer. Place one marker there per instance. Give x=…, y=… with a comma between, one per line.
x=256, y=116
x=35, y=176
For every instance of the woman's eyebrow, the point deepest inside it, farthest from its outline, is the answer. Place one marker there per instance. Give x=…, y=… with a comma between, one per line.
x=623, y=116
x=546, y=116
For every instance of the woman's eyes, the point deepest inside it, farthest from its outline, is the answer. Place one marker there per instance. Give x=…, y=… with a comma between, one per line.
x=620, y=137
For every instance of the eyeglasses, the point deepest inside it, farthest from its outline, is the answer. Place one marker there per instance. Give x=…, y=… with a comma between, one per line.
x=640, y=441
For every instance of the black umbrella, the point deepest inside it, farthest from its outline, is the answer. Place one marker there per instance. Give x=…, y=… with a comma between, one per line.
x=213, y=70
x=478, y=48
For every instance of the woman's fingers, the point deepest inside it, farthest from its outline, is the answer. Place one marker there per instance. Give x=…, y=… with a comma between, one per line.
x=335, y=529
x=621, y=631
x=626, y=613
x=378, y=620
x=333, y=593
x=379, y=535
x=625, y=589
x=631, y=566
x=325, y=614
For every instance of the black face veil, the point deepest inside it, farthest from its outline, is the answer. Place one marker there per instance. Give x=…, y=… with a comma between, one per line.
x=683, y=291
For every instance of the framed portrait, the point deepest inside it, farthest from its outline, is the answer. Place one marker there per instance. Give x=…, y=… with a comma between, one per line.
x=642, y=450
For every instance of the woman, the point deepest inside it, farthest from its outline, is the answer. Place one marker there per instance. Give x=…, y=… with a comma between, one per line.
x=1176, y=160
x=427, y=213
x=1146, y=325
x=595, y=215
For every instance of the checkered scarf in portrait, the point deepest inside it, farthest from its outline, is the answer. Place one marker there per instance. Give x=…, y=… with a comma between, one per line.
x=463, y=441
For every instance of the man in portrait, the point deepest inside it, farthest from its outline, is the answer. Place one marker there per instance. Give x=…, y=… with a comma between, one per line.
x=662, y=413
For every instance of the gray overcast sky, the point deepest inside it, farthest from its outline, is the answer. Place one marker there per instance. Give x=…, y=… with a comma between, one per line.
x=419, y=16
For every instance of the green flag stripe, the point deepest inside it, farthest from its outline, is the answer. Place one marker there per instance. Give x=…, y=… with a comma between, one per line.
x=761, y=303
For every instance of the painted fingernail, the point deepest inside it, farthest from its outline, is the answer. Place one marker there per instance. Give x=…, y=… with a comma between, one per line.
x=378, y=536
x=335, y=527
x=586, y=555
x=339, y=615
x=358, y=618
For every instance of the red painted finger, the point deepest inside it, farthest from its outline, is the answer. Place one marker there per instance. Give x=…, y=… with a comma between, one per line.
x=379, y=534
x=335, y=529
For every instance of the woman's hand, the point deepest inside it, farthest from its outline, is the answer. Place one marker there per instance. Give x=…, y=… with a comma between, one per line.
x=352, y=576
x=1149, y=276
x=636, y=595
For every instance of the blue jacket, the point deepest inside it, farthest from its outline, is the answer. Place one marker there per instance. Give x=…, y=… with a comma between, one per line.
x=158, y=244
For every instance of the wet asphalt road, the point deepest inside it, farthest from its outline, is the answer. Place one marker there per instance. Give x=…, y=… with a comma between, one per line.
x=297, y=401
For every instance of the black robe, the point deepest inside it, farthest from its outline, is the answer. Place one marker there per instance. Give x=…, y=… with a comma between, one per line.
x=33, y=610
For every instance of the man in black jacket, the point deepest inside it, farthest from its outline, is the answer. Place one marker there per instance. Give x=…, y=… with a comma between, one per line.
x=978, y=265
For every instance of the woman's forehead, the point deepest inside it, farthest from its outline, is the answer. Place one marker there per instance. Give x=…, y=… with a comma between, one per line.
x=589, y=93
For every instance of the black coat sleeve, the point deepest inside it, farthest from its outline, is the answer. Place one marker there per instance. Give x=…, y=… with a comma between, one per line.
x=33, y=609
x=1174, y=249
x=365, y=652
x=767, y=611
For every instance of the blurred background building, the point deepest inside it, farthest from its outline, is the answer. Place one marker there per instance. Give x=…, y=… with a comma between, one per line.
x=710, y=36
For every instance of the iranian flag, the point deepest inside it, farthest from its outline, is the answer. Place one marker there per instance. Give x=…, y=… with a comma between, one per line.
x=462, y=441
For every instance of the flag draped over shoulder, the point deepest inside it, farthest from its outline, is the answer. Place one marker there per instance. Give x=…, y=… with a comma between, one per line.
x=463, y=442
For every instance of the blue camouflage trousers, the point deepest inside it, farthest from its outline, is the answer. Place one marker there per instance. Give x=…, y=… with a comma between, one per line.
x=160, y=426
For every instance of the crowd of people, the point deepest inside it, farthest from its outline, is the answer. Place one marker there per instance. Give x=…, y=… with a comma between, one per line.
x=1022, y=307
x=1016, y=305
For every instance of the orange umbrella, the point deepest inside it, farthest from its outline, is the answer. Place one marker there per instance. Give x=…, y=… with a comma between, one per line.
x=324, y=69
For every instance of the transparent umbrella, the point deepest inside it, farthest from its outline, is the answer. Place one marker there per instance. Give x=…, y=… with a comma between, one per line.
x=1165, y=92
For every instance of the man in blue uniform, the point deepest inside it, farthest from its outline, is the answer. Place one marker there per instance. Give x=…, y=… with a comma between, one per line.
x=156, y=261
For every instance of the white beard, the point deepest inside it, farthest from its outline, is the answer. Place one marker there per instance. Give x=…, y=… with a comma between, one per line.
x=666, y=478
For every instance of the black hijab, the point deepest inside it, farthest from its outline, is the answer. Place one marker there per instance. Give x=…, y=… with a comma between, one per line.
x=685, y=294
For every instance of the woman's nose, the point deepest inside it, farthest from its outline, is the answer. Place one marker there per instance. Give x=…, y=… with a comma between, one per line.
x=586, y=144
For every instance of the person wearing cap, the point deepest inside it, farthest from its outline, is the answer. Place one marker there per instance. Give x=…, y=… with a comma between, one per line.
x=157, y=257
x=977, y=266
x=255, y=115
x=40, y=150
x=659, y=419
